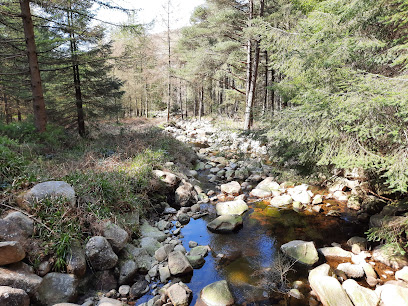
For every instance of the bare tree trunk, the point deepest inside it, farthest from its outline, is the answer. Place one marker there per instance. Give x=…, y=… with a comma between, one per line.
x=169, y=61
x=266, y=92
x=146, y=101
x=9, y=117
x=181, y=100
x=201, y=102
x=40, y=115
x=186, y=101
x=273, y=93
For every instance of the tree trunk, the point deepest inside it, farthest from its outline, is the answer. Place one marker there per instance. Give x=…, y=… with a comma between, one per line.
x=273, y=93
x=181, y=100
x=146, y=102
x=265, y=104
x=7, y=109
x=169, y=61
x=201, y=102
x=40, y=115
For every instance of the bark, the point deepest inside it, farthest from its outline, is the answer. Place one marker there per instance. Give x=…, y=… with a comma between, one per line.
x=169, y=61
x=201, y=103
x=7, y=109
x=181, y=101
x=146, y=101
x=40, y=115
x=265, y=104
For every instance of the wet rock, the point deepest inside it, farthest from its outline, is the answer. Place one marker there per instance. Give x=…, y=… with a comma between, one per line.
x=352, y=271
x=127, y=272
x=392, y=295
x=162, y=253
x=183, y=219
x=199, y=251
x=22, y=221
x=282, y=200
x=179, y=294
x=217, y=294
x=124, y=290
x=335, y=252
x=268, y=184
x=402, y=274
x=233, y=188
x=196, y=261
x=259, y=193
x=20, y=276
x=146, y=230
x=100, y=254
x=185, y=195
x=138, y=289
x=302, y=251
x=237, y=207
x=360, y=295
x=170, y=179
x=386, y=256
x=116, y=236
x=11, y=252
x=192, y=244
x=225, y=224
x=179, y=264
x=76, y=261
x=13, y=297
x=58, y=288
x=48, y=190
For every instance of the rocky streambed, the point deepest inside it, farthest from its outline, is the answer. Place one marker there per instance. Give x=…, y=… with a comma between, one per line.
x=232, y=235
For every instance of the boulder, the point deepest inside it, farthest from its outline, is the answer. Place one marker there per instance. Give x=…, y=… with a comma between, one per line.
x=179, y=294
x=360, y=241
x=300, y=194
x=354, y=202
x=20, y=276
x=392, y=295
x=387, y=256
x=340, y=196
x=351, y=270
x=127, y=272
x=259, y=193
x=22, y=221
x=199, y=251
x=360, y=295
x=164, y=273
x=318, y=199
x=13, y=297
x=109, y=302
x=225, y=224
x=335, y=252
x=170, y=179
x=268, y=184
x=48, y=190
x=179, y=264
x=185, y=195
x=282, y=200
x=217, y=294
x=138, y=289
x=329, y=291
x=402, y=274
x=233, y=188
x=162, y=253
x=58, y=288
x=100, y=254
x=150, y=244
x=116, y=236
x=11, y=231
x=11, y=252
x=105, y=280
x=237, y=207
x=302, y=251
x=183, y=219
x=76, y=261
x=196, y=261
x=146, y=230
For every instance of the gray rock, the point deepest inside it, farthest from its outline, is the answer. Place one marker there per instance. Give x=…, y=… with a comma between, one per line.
x=268, y=184
x=179, y=294
x=22, y=221
x=302, y=251
x=199, y=251
x=352, y=271
x=185, y=195
x=13, y=297
x=329, y=291
x=138, y=289
x=196, y=261
x=233, y=188
x=217, y=294
x=162, y=253
x=48, y=190
x=146, y=230
x=20, y=276
x=360, y=295
x=179, y=264
x=164, y=273
x=110, y=302
x=163, y=225
x=76, y=261
x=170, y=179
x=44, y=268
x=192, y=244
x=360, y=241
x=100, y=254
x=11, y=231
x=151, y=245
x=225, y=223
x=127, y=272
x=237, y=207
x=116, y=236
x=105, y=280
x=386, y=256
x=183, y=219
x=259, y=193
x=124, y=290
x=58, y=288
x=335, y=252
x=11, y=252
x=282, y=200
x=180, y=248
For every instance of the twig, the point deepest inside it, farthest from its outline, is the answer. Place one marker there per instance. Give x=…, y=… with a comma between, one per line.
x=30, y=216
x=377, y=195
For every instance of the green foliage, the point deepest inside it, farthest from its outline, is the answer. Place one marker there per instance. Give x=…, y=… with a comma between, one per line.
x=12, y=162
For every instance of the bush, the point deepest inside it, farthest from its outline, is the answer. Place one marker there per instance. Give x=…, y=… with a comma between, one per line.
x=12, y=163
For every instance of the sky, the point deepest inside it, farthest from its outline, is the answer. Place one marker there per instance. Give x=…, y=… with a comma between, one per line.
x=153, y=10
